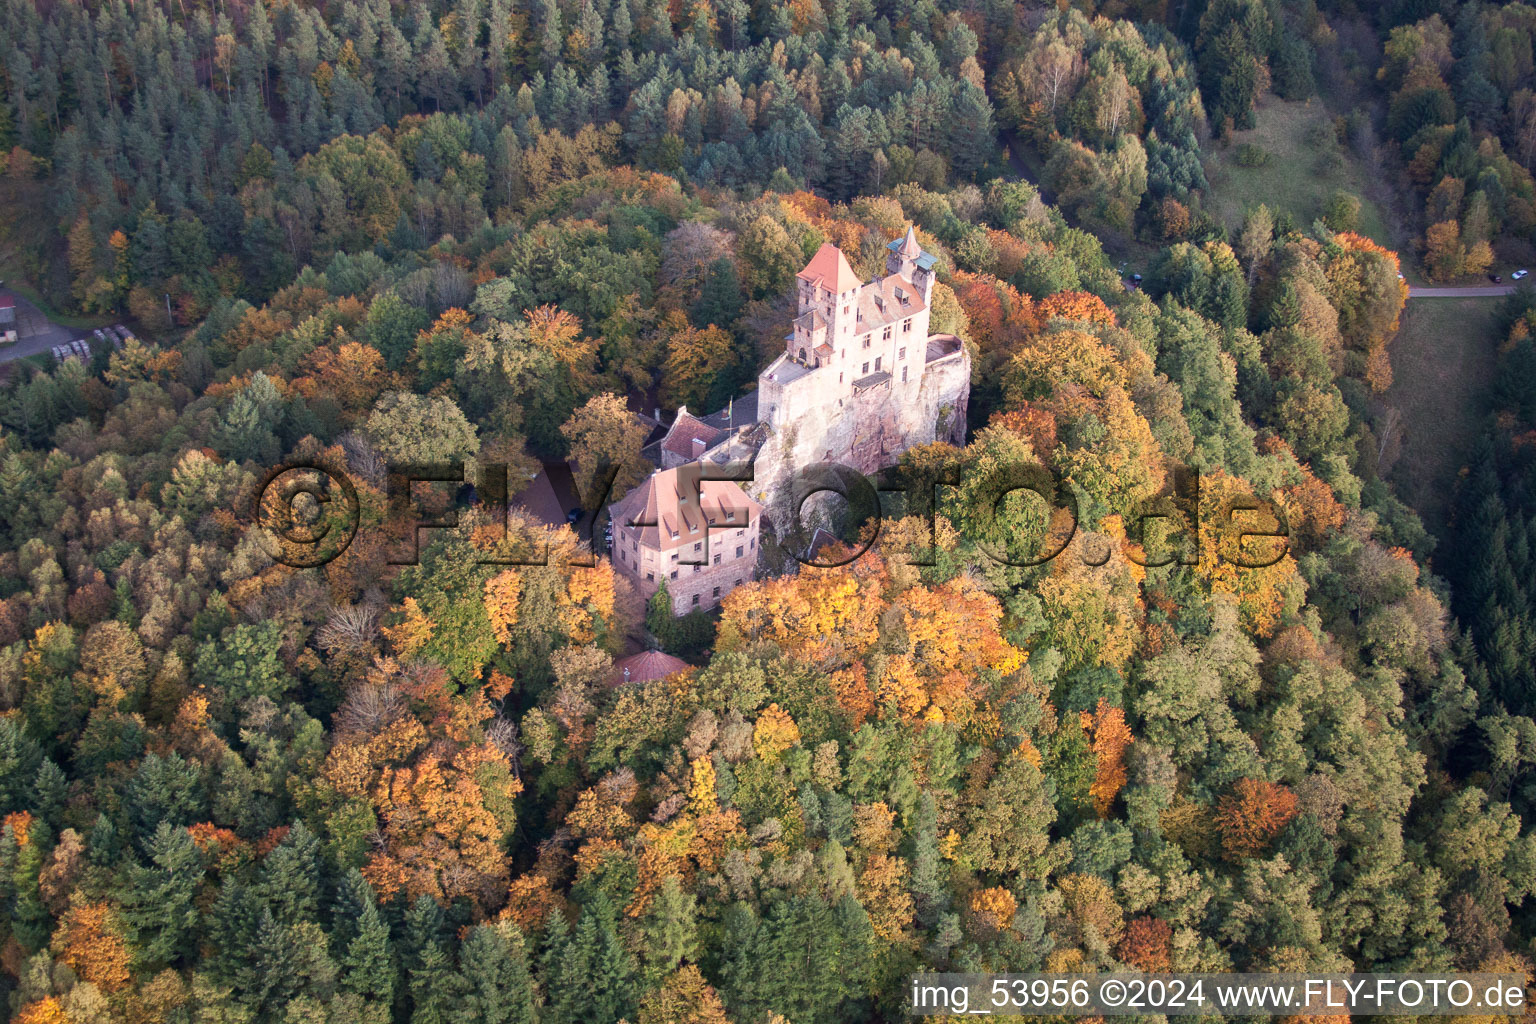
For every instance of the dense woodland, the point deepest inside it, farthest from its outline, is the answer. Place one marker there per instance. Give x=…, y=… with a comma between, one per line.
x=234, y=791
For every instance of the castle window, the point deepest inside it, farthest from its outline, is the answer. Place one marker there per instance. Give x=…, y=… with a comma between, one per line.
x=738, y=583
x=674, y=574
x=650, y=577
x=906, y=327
x=716, y=560
x=887, y=335
x=738, y=550
x=866, y=368
x=903, y=353
x=717, y=592
x=695, y=599
x=877, y=363
x=866, y=341
x=839, y=378
x=903, y=374
x=802, y=355
x=845, y=311
x=698, y=545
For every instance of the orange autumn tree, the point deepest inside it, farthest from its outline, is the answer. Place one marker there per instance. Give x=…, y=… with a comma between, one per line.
x=1252, y=815
x=679, y=846
x=88, y=941
x=1084, y=306
x=44, y=1011
x=559, y=333
x=1001, y=317
x=352, y=373
x=502, y=595
x=1148, y=945
x=417, y=757
x=1110, y=738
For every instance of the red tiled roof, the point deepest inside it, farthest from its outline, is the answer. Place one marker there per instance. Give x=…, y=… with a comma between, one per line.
x=829, y=268
x=886, y=301
x=686, y=430
x=663, y=512
x=645, y=667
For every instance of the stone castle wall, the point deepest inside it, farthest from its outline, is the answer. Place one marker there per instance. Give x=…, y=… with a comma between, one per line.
x=867, y=431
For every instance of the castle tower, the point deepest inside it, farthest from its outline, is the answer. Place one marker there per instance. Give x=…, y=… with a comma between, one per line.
x=906, y=258
x=826, y=293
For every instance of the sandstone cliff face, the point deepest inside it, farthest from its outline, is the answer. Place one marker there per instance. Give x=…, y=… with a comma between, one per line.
x=867, y=431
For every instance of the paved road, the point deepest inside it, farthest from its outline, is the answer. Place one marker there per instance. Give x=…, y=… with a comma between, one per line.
x=36, y=333
x=1464, y=292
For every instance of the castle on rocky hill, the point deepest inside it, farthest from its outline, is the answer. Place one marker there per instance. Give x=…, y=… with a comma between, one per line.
x=860, y=379
x=859, y=382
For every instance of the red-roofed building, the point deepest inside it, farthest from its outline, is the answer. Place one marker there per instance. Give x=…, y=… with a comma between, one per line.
x=829, y=271
x=698, y=536
x=688, y=439
x=645, y=667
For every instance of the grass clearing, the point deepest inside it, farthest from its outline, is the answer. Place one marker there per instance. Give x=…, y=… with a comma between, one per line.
x=1443, y=359
x=1296, y=179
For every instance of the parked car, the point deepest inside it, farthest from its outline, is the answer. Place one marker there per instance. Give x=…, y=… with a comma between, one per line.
x=1495, y=278
x=574, y=516
x=1518, y=275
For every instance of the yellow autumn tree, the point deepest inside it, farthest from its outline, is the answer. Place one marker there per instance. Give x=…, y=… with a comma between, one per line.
x=413, y=630
x=1232, y=563
x=502, y=593
x=774, y=733
x=992, y=909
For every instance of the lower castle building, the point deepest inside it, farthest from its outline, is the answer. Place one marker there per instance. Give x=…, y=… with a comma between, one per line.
x=859, y=382
x=697, y=537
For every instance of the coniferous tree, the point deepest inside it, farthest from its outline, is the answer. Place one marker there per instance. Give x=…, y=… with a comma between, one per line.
x=497, y=989
x=160, y=910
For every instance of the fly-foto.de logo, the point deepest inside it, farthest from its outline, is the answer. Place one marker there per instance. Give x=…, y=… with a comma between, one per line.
x=308, y=514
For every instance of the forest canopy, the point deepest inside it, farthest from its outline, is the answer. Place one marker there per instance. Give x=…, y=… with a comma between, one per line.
x=360, y=234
